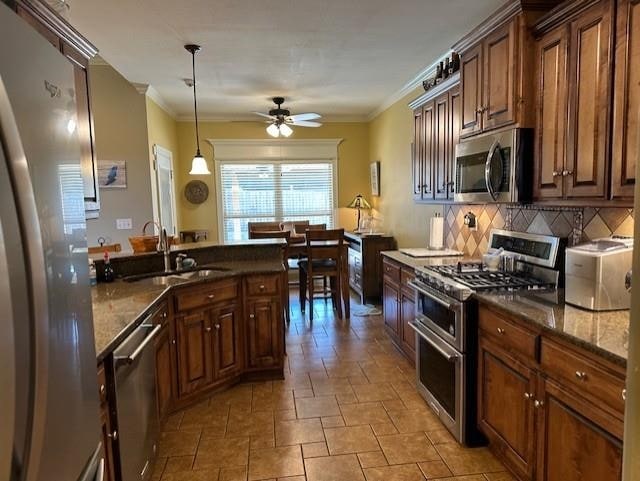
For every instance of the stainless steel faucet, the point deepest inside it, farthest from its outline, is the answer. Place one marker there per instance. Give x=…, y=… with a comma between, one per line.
x=166, y=249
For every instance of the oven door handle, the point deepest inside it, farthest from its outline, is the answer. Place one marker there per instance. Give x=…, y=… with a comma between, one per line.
x=442, y=352
x=487, y=169
x=422, y=290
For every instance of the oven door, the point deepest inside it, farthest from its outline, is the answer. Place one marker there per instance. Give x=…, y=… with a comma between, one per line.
x=441, y=377
x=485, y=169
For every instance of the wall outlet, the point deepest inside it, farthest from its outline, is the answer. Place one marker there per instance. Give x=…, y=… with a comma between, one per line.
x=124, y=224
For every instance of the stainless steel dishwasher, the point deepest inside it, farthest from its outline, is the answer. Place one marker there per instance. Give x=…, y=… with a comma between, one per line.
x=134, y=365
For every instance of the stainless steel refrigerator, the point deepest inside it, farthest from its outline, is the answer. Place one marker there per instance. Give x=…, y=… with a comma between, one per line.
x=49, y=428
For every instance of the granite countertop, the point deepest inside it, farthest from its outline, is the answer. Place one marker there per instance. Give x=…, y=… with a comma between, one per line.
x=603, y=333
x=118, y=307
x=414, y=262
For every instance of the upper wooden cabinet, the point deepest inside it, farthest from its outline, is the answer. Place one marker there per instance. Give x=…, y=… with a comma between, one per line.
x=573, y=70
x=437, y=116
x=626, y=106
x=78, y=51
x=471, y=81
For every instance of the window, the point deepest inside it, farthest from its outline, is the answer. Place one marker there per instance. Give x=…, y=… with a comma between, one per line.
x=268, y=191
x=72, y=197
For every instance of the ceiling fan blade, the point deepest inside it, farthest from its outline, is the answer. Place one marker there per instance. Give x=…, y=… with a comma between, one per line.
x=264, y=115
x=305, y=123
x=307, y=116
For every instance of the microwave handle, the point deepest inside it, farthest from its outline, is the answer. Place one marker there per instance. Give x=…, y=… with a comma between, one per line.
x=487, y=169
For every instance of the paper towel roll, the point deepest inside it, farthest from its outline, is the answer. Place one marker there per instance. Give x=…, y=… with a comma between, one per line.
x=436, y=232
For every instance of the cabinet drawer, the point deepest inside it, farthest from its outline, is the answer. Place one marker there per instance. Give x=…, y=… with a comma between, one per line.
x=510, y=335
x=406, y=276
x=391, y=271
x=583, y=374
x=258, y=285
x=201, y=296
x=102, y=384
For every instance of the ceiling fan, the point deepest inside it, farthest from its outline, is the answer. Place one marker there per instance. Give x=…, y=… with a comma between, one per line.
x=280, y=119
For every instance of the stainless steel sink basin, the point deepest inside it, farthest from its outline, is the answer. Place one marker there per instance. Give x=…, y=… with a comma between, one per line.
x=163, y=278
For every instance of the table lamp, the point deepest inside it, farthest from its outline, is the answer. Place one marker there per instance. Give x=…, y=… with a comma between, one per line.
x=359, y=203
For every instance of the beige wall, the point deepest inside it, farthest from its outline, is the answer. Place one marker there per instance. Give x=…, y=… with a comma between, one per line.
x=119, y=113
x=162, y=129
x=390, y=137
x=353, y=164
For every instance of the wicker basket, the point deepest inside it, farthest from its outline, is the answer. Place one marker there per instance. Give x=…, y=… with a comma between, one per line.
x=145, y=243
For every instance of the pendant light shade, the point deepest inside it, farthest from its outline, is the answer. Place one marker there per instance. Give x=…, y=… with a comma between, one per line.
x=273, y=130
x=285, y=130
x=199, y=163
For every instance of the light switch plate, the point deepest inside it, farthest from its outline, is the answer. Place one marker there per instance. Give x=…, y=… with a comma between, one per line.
x=124, y=224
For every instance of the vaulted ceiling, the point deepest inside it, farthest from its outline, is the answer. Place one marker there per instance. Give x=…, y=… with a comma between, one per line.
x=340, y=58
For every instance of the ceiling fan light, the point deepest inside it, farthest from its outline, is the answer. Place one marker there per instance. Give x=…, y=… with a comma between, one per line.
x=273, y=130
x=285, y=130
x=199, y=166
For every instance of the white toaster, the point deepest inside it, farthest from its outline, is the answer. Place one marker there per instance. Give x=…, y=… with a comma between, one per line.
x=595, y=274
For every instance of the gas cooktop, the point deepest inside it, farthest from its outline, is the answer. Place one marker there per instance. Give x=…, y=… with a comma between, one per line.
x=474, y=276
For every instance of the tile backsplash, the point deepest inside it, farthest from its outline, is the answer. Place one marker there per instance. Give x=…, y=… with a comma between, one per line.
x=578, y=224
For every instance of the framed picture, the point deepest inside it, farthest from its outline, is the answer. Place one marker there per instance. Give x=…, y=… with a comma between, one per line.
x=112, y=174
x=375, y=178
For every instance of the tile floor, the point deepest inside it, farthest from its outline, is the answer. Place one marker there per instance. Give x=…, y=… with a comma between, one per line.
x=347, y=410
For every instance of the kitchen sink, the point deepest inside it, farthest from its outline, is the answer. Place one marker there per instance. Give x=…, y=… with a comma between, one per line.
x=164, y=278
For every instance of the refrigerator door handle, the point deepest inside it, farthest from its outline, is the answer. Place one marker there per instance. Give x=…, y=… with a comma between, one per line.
x=36, y=271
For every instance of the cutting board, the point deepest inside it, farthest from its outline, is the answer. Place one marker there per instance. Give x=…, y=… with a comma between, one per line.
x=421, y=252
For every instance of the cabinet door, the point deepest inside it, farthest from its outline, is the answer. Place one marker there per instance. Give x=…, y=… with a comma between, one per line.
x=551, y=114
x=107, y=439
x=471, y=90
x=227, y=346
x=577, y=442
x=163, y=343
x=416, y=161
x=407, y=315
x=455, y=110
x=503, y=381
x=265, y=332
x=390, y=307
x=441, y=133
x=589, y=67
x=498, y=94
x=428, y=119
x=626, y=124
x=194, y=352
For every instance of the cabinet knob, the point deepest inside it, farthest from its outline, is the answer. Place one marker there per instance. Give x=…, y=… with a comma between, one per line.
x=207, y=329
x=164, y=315
x=556, y=173
x=538, y=404
x=566, y=173
x=581, y=375
x=173, y=341
x=501, y=331
x=103, y=389
x=217, y=326
x=624, y=394
x=211, y=296
x=252, y=316
x=528, y=395
x=262, y=287
x=113, y=435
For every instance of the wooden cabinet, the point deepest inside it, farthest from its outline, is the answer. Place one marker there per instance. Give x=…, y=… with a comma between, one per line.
x=471, y=90
x=398, y=305
x=573, y=68
x=106, y=426
x=437, y=117
x=589, y=100
x=365, y=264
x=554, y=412
x=505, y=407
x=626, y=106
x=164, y=371
x=78, y=51
x=265, y=332
x=195, y=370
x=227, y=345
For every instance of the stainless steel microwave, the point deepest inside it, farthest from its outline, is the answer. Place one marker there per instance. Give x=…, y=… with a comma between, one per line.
x=495, y=167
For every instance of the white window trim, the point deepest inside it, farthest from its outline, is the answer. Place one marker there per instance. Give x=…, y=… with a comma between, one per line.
x=155, y=194
x=283, y=150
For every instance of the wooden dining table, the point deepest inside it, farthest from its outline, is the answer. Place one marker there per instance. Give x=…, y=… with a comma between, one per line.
x=298, y=250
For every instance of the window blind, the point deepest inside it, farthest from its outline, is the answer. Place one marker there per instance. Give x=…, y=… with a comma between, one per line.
x=275, y=192
x=72, y=197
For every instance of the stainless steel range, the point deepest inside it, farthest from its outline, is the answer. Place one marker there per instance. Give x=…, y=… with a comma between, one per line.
x=446, y=320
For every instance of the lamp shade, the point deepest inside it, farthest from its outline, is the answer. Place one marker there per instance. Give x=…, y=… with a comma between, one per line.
x=273, y=130
x=285, y=130
x=199, y=166
x=359, y=202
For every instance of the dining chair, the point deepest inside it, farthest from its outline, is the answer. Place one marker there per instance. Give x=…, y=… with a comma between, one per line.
x=324, y=258
x=279, y=234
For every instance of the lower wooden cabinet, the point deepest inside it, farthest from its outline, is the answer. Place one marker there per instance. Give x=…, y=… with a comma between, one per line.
x=398, y=305
x=164, y=389
x=195, y=370
x=265, y=334
x=106, y=428
x=227, y=345
x=543, y=425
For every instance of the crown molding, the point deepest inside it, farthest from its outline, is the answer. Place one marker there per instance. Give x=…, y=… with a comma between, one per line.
x=409, y=87
x=435, y=91
x=141, y=88
x=98, y=61
x=254, y=118
x=154, y=95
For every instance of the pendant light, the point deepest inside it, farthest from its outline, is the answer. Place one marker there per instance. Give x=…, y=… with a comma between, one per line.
x=198, y=164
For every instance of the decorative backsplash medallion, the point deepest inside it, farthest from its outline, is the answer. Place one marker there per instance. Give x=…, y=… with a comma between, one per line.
x=578, y=224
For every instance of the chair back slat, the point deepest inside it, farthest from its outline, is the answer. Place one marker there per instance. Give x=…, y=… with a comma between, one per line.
x=325, y=244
